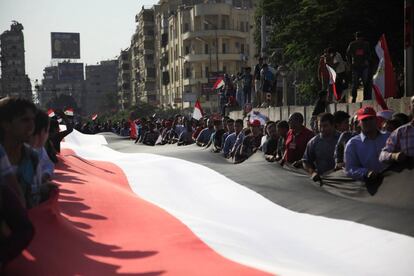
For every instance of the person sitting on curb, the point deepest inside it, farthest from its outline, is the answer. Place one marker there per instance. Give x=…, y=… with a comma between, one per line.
x=250, y=144
x=232, y=138
x=204, y=137
x=399, y=147
x=296, y=140
x=269, y=147
x=343, y=140
x=362, y=151
x=319, y=153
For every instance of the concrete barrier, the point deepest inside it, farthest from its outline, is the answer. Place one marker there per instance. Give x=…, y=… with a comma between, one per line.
x=283, y=112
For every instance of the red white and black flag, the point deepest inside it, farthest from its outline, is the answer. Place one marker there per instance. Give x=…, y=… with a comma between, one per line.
x=384, y=79
x=198, y=111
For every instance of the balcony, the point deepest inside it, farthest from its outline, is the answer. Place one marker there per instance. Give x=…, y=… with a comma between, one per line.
x=206, y=57
x=194, y=81
x=212, y=9
x=223, y=33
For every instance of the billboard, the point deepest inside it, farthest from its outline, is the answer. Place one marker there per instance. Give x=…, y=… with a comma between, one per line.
x=70, y=71
x=65, y=45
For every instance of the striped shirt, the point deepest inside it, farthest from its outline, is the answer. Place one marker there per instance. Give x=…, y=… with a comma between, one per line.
x=400, y=140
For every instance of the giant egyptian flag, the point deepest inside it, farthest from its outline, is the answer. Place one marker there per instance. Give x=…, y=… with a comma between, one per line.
x=139, y=213
x=384, y=79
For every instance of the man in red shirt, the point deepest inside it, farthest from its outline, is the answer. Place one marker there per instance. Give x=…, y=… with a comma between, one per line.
x=297, y=138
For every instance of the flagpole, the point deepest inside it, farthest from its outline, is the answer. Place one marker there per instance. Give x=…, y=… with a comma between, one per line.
x=408, y=48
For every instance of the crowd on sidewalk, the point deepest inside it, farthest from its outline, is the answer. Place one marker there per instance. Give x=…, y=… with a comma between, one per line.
x=363, y=144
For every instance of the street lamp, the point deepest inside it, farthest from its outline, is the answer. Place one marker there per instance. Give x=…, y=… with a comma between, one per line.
x=283, y=71
x=215, y=32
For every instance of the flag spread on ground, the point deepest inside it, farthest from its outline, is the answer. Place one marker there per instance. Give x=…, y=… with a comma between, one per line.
x=140, y=213
x=69, y=111
x=332, y=81
x=94, y=116
x=198, y=111
x=51, y=113
x=384, y=79
x=218, y=84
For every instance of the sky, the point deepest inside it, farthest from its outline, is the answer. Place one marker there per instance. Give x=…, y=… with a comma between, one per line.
x=105, y=27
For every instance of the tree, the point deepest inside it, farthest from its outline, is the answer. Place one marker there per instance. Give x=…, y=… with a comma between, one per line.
x=303, y=28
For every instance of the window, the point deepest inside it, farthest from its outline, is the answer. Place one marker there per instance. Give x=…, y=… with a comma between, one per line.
x=206, y=50
x=242, y=26
x=187, y=50
x=206, y=71
x=224, y=48
x=186, y=27
x=187, y=72
x=224, y=69
x=242, y=48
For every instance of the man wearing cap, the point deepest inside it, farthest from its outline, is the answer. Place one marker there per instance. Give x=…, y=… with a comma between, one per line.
x=363, y=150
x=400, y=145
x=297, y=138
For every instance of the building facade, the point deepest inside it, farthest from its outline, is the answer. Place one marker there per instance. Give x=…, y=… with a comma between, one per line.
x=125, y=97
x=65, y=79
x=14, y=81
x=184, y=45
x=145, y=51
x=101, y=88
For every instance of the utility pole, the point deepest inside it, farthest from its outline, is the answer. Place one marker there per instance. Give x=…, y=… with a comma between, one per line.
x=408, y=48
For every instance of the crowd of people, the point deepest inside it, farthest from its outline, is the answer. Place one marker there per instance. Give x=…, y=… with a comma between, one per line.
x=29, y=145
x=263, y=87
x=363, y=145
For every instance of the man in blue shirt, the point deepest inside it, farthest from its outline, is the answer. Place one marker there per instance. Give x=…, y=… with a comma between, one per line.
x=363, y=150
x=319, y=153
x=231, y=138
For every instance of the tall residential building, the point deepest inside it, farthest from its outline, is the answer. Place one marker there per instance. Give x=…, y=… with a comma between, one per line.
x=134, y=66
x=125, y=98
x=191, y=42
x=145, y=50
x=101, y=88
x=65, y=79
x=14, y=81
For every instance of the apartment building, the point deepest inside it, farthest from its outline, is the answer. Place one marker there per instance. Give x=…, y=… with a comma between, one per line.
x=125, y=98
x=14, y=81
x=183, y=45
x=63, y=79
x=101, y=87
x=145, y=50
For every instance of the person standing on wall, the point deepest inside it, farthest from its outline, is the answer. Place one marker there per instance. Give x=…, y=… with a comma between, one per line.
x=358, y=55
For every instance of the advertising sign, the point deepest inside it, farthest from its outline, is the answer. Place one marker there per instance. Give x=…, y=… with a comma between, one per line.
x=65, y=45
